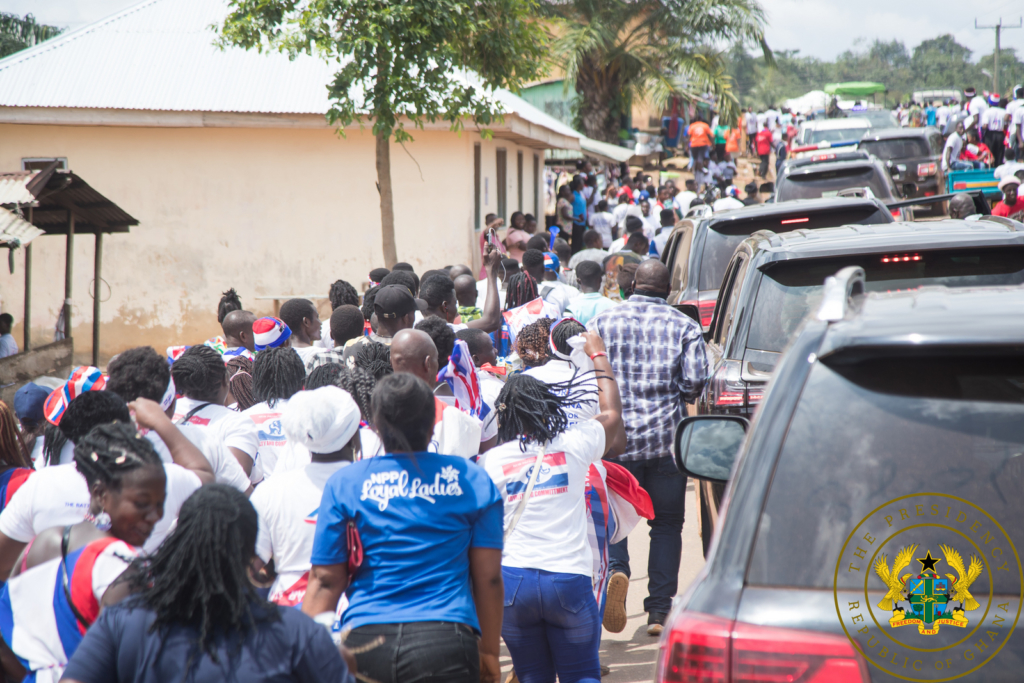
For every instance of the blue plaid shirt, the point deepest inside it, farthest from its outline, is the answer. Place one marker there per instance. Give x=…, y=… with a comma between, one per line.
x=660, y=362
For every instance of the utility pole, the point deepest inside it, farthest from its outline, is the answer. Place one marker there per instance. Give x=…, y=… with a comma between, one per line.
x=995, y=67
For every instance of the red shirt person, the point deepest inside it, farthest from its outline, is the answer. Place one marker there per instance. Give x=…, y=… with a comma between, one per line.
x=1012, y=205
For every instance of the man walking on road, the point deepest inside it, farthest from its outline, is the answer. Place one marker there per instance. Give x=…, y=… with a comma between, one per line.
x=660, y=362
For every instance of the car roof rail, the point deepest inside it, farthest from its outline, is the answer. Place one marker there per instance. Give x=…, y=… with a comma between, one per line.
x=857, y=192
x=769, y=236
x=839, y=290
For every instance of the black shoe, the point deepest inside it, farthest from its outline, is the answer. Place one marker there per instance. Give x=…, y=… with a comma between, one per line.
x=655, y=623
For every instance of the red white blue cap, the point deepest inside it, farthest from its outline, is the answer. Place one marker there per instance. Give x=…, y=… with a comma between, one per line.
x=82, y=379
x=270, y=333
x=551, y=262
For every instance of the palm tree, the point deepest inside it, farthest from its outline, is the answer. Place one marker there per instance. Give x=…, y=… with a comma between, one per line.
x=616, y=52
x=17, y=33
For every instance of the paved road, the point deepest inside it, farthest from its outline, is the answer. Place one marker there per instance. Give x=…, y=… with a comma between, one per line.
x=632, y=653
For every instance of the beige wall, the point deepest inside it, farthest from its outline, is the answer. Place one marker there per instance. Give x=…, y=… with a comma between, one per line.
x=265, y=210
x=489, y=178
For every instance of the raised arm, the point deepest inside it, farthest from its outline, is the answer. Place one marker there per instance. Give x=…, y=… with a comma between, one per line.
x=490, y=318
x=608, y=400
x=149, y=415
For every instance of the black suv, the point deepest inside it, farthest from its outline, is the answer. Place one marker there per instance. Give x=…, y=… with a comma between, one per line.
x=773, y=281
x=824, y=176
x=698, y=250
x=888, y=450
x=913, y=156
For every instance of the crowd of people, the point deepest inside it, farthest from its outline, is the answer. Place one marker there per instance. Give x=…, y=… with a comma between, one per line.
x=443, y=463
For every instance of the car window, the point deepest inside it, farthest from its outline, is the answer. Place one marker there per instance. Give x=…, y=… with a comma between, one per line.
x=792, y=289
x=678, y=252
x=936, y=144
x=868, y=431
x=727, y=305
x=836, y=134
x=829, y=183
x=898, y=148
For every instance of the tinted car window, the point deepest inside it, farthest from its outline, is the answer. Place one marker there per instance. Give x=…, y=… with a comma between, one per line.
x=854, y=444
x=790, y=290
x=724, y=236
x=898, y=148
x=829, y=183
x=835, y=135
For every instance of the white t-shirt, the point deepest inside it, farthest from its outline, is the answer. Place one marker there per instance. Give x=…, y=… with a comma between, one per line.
x=306, y=353
x=595, y=255
x=8, y=347
x=1015, y=110
x=751, y=119
x=227, y=427
x=726, y=203
x=58, y=496
x=224, y=464
x=552, y=533
x=557, y=370
x=481, y=294
x=325, y=341
x=977, y=106
x=456, y=433
x=271, y=440
x=557, y=294
x=941, y=115
x=603, y=223
x=992, y=119
x=954, y=143
x=287, y=505
x=682, y=201
x=617, y=245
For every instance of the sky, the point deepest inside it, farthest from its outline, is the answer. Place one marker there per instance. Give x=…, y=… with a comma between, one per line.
x=818, y=28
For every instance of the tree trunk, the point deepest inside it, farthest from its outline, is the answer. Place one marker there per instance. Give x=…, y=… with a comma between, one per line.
x=598, y=92
x=387, y=207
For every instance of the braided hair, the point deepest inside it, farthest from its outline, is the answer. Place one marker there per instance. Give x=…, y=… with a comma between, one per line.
x=230, y=301
x=277, y=374
x=368, y=298
x=110, y=451
x=53, y=443
x=90, y=409
x=563, y=331
x=139, y=372
x=531, y=411
x=521, y=289
x=240, y=382
x=343, y=293
x=356, y=381
x=199, y=576
x=375, y=358
x=403, y=413
x=13, y=452
x=532, y=342
x=199, y=373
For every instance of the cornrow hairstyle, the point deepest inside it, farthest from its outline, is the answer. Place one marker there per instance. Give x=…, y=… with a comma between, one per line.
x=240, y=382
x=368, y=298
x=53, y=443
x=110, y=451
x=436, y=289
x=406, y=278
x=356, y=381
x=13, y=452
x=443, y=336
x=294, y=310
x=230, y=301
x=375, y=358
x=277, y=374
x=199, y=373
x=531, y=411
x=563, y=331
x=199, y=576
x=521, y=289
x=532, y=342
x=90, y=409
x=403, y=413
x=343, y=293
x=139, y=372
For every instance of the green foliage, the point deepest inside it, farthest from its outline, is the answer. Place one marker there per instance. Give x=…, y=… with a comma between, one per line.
x=18, y=33
x=617, y=52
x=401, y=58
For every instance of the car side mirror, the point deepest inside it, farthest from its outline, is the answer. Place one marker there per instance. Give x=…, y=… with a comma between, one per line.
x=909, y=189
x=689, y=310
x=707, y=445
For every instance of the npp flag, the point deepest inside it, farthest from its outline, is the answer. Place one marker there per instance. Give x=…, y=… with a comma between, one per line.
x=460, y=374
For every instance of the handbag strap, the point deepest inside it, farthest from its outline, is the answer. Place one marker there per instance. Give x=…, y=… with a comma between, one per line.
x=64, y=542
x=526, y=495
x=190, y=414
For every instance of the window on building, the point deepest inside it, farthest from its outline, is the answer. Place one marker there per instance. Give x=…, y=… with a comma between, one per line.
x=502, y=181
x=476, y=186
x=39, y=163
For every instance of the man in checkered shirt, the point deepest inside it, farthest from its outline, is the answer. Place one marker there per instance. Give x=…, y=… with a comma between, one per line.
x=660, y=362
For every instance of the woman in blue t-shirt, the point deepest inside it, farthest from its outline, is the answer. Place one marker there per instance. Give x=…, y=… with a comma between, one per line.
x=429, y=529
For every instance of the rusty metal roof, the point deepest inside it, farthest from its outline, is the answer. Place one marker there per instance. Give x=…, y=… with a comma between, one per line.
x=53, y=193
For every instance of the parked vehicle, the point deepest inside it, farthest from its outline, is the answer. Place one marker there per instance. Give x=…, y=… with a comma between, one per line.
x=699, y=248
x=831, y=178
x=912, y=156
x=879, y=119
x=774, y=280
x=885, y=405
x=831, y=130
x=983, y=179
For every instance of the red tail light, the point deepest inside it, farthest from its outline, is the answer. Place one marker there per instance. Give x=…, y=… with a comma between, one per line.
x=706, y=309
x=755, y=392
x=706, y=649
x=925, y=170
x=726, y=388
x=895, y=213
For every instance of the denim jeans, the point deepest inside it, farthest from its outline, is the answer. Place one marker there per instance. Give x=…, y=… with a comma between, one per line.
x=667, y=487
x=965, y=165
x=551, y=626
x=422, y=652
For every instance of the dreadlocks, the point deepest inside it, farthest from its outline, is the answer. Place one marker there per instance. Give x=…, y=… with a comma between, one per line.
x=199, y=577
x=110, y=451
x=356, y=381
x=375, y=358
x=521, y=289
x=240, y=382
x=199, y=373
x=90, y=409
x=532, y=342
x=12, y=446
x=228, y=302
x=531, y=411
x=277, y=374
x=563, y=331
x=343, y=293
x=53, y=443
x=368, y=298
x=139, y=372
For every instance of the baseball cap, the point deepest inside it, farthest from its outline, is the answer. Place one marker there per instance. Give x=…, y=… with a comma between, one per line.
x=551, y=262
x=751, y=188
x=28, y=402
x=1009, y=180
x=82, y=379
x=393, y=301
x=270, y=333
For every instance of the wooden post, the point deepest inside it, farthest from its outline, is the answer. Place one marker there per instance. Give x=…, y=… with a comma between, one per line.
x=69, y=273
x=26, y=321
x=97, y=268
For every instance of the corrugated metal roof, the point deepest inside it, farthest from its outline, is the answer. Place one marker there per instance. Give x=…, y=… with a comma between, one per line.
x=159, y=55
x=13, y=190
x=13, y=226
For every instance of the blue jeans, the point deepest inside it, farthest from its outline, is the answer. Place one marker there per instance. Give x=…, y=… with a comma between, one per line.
x=551, y=626
x=965, y=165
x=667, y=487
